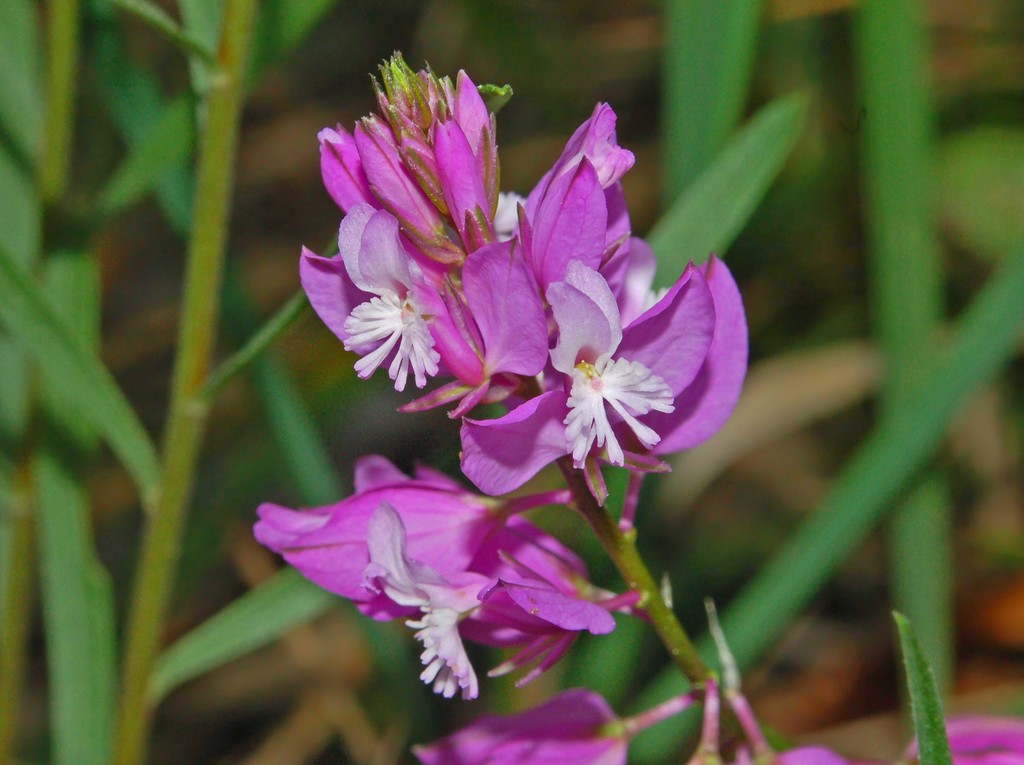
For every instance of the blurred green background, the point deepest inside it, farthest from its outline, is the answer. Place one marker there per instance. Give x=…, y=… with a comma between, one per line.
x=903, y=195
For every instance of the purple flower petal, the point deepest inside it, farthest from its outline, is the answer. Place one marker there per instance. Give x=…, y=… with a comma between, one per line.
x=459, y=172
x=630, y=275
x=373, y=253
x=503, y=299
x=570, y=728
x=374, y=471
x=672, y=338
x=561, y=610
x=328, y=544
x=471, y=111
x=391, y=182
x=330, y=290
x=586, y=315
x=570, y=224
x=502, y=454
x=707, y=403
x=342, y=169
x=810, y=755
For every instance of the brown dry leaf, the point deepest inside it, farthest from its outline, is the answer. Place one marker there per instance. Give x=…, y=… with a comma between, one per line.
x=781, y=396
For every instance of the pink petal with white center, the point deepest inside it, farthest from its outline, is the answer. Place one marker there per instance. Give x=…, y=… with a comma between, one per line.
x=445, y=529
x=411, y=583
x=672, y=338
x=506, y=306
x=501, y=455
x=330, y=290
x=587, y=318
x=705, y=405
x=570, y=224
x=342, y=170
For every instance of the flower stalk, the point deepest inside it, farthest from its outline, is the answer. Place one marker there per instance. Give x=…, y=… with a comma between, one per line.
x=188, y=411
x=17, y=553
x=621, y=547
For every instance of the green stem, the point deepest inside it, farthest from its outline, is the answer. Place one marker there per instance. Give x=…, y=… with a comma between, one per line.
x=62, y=52
x=905, y=260
x=265, y=336
x=17, y=544
x=621, y=547
x=187, y=414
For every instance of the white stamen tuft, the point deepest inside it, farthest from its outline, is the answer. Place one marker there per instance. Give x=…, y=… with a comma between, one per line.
x=630, y=388
x=391, y=320
x=447, y=667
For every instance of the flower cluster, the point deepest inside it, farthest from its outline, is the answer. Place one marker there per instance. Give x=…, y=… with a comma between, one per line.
x=454, y=564
x=543, y=302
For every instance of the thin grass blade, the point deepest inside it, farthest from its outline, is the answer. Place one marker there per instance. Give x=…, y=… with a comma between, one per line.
x=78, y=378
x=713, y=210
x=932, y=741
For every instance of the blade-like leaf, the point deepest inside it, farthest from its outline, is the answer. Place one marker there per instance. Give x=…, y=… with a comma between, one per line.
x=78, y=608
x=932, y=741
x=709, y=215
x=164, y=146
x=907, y=293
x=719, y=41
x=159, y=19
x=77, y=596
x=281, y=26
x=76, y=375
x=21, y=112
x=251, y=622
x=986, y=338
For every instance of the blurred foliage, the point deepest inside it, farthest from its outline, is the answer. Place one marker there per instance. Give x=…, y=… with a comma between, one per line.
x=290, y=429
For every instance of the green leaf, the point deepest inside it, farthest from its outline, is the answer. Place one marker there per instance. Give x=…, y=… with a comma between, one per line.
x=19, y=211
x=78, y=610
x=158, y=19
x=719, y=41
x=77, y=596
x=933, y=744
x=306, y=459
x=982, y=188
x=495, y=96
x=907, y=293
x=281, y=25
x=21, y=103
x=709, y=215
x=252, y=621
x=76, y=375
x=985, y=340
x=164, y=146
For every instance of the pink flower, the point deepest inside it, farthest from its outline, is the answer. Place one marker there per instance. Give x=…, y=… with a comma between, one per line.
x=538, y=608
x=430, y=158
x=619, y=387
x=576, y=726
x=445, y=527
x=442, y=603
x=538, y=599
